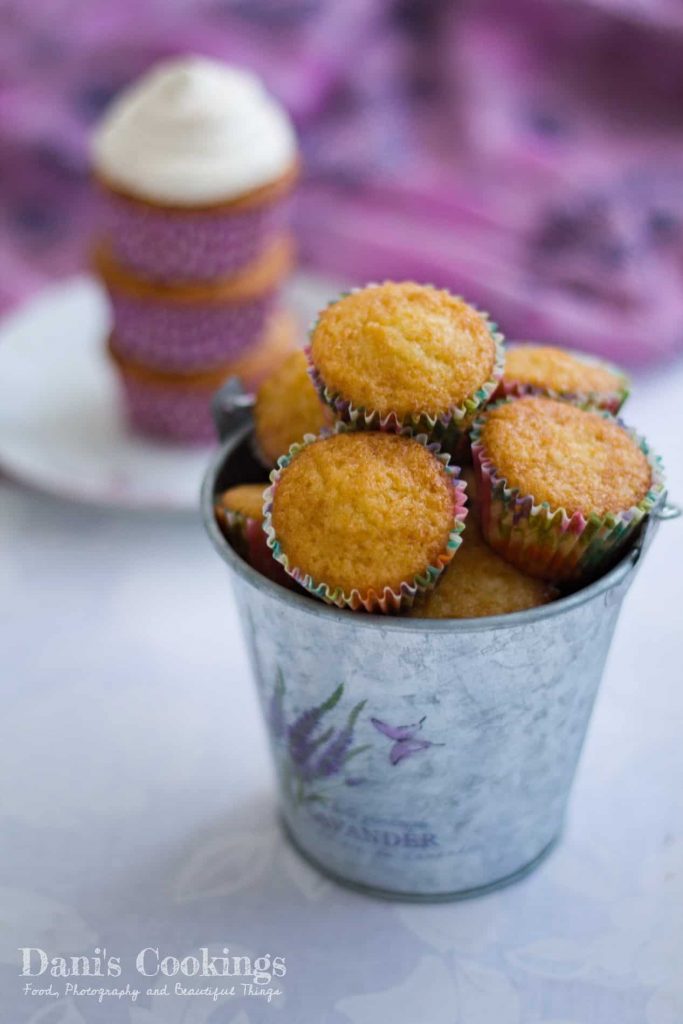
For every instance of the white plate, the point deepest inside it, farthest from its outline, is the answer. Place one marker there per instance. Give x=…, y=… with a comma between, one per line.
x=61, y=423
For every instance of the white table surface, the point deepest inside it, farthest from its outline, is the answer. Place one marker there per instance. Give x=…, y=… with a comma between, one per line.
x=137, y=802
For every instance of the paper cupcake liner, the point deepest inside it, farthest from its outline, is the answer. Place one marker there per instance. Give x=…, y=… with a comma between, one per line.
x=548, y=543
x=604, y=401
x=176, y=405
x=169, y=245
x=388, y=600
x=446, y=428
x=165, y=412
x=187, y=336
x=245, y=534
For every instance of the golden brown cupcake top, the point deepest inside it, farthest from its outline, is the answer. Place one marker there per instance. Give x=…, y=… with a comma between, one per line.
x=478, y=582
x=287, y=407
x=555, y=369
x=403, y=348
x=363, y=511
x=570, y=458
x=245, y=499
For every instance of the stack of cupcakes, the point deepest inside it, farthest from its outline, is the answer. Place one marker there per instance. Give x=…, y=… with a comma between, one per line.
x=421, y=468
x=195, y=165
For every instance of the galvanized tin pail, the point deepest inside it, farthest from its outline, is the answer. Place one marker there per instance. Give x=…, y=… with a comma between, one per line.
x=417, y=758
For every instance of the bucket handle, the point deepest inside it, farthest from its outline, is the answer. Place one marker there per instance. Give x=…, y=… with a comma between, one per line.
x=661, y=513
x=231, y=408
x=667, y=511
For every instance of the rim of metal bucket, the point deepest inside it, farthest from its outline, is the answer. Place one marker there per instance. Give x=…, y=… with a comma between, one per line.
x=317, y=610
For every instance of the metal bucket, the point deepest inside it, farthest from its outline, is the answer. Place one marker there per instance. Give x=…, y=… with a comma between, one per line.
x=415, y=758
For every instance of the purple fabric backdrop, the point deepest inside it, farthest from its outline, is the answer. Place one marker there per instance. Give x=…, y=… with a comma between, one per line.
x=525, y=152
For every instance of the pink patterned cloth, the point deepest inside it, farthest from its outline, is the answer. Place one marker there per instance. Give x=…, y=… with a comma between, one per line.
x=526, y=154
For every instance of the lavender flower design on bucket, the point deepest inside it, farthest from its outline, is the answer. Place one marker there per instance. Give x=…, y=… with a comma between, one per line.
x=406, y=742
x=314, y=752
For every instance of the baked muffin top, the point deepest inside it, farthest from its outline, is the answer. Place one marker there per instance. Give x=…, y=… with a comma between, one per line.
x=363, y=511
x=567, y=373
x=405, y=348
x=568, y=457
x=287, y=407
x=478, y=582
x=245, y=499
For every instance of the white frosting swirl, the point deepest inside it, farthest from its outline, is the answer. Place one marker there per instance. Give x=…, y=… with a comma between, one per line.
x=194, y=131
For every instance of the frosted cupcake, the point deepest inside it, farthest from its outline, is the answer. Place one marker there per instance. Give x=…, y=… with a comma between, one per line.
x=195, y=162
x=561, y=489
x=194, y=326
x=558, y=373
x=393, y=355
x=176, y=406
x=239, y=514
x=287, y=407
x=364, y=519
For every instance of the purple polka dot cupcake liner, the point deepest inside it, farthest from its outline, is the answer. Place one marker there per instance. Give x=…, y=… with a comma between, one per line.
x=186, y=336
x=169, y=245
x=167, y=412
x=176, y=405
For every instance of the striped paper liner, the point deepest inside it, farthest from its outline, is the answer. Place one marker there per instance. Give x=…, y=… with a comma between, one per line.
x=548, y=542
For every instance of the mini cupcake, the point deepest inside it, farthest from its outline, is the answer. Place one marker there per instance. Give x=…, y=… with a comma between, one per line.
x=195, y=163
x=193, y=326
x=287, y=407
x=365, y=519
x=235, y=509
x=546, y=370
x=395, y=356
x=177, y=406
x=479, y=582
x=239, y=514
x=561, y=489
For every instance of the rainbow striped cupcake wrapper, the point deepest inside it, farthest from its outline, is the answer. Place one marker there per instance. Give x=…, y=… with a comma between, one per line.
x=388, y=600
x=245, y=534
x=600, y=401
x=446, y=427
x=549, y=543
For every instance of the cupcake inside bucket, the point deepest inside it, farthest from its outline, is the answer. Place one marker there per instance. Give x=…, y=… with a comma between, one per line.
x=369, y=513
x=238, y=465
